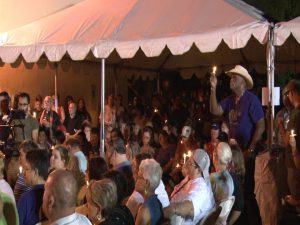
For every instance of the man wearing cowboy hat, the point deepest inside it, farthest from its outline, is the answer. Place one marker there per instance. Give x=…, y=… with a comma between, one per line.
x=243, y=109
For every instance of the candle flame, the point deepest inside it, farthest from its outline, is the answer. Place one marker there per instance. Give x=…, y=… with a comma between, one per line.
x=184, y=157
x=292, y=133
x=177, y=166
x=20, y=169
x=214, y=70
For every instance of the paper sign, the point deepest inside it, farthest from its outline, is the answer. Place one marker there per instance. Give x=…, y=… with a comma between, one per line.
x=265, y=96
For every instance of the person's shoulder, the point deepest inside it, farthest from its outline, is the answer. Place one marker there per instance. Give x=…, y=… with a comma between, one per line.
x=82, y=219
x=119, y=219
x=251, y=95
x=33, y=121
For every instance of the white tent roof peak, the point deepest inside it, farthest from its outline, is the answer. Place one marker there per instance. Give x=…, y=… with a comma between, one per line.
x=284, y=29
x=101, y=26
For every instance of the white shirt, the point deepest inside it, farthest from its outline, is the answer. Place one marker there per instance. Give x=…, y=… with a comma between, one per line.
x=73, y=219
x=136, y=199
x=199, y=192
x=222, y=185
x=81, y=161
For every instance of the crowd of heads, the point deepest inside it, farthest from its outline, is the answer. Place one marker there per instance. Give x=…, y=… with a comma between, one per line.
x=146, y=144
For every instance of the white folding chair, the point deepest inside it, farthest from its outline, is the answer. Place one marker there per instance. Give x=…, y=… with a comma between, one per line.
x=226, y=205
x=177, y=220
x=211, y=217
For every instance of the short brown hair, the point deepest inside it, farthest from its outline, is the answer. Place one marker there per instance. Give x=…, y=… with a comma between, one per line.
x=28, y=146
x=64, y=154
x=293, y=85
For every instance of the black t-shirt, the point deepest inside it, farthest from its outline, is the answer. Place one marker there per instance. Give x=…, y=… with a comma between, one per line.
x=120, y=215
x=237, y=193
x=73, y=124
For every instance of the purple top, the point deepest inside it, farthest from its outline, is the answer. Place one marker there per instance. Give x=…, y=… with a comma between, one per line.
x=163, y=156
x=242, y=117
x=30, y=204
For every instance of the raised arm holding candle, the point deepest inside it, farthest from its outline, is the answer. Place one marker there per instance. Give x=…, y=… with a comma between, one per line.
x=247, y=128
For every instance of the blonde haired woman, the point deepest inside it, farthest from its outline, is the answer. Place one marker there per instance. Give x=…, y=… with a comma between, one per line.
x=101, y=199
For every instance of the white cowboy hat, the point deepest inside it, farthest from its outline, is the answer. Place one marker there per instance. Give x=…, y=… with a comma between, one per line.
x=241, y=71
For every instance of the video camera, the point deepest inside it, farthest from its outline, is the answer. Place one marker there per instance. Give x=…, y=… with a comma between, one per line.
x=16, y=114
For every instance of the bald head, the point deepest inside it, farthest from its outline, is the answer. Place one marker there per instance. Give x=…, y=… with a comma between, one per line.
x=64, y=188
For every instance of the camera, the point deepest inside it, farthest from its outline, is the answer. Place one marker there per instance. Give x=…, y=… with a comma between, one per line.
x=17, y=114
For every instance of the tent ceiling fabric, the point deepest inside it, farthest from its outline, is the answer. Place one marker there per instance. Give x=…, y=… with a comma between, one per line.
x=105, y=26
x=16, y=13
x=284, y=30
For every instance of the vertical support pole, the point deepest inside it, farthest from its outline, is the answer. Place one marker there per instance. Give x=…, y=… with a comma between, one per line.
x=102, y=128
x=270, y=71
x=55, y=90
x=158, y=84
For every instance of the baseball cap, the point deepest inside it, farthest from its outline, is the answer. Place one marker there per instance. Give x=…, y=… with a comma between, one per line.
x=202, y=159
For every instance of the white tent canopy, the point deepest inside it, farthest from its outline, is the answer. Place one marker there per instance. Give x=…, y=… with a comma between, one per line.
x=102, y=26
x=287, y=43
x=284, y=30
x=16, y=13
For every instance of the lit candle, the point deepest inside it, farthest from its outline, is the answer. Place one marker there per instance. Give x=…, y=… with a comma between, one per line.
x=155, y=110
x=189, y=154
x=177, y=166
x=52, y=147
x=20, y=169
x=87, y=183
x=199, y=119
x=292, y=133
x=34, y=115
x=166, y=121
x=184, y=158
x=214, y=70
x=181, y=142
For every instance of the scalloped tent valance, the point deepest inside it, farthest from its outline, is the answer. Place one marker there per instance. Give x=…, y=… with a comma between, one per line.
x=102, y=26
x=284, y=30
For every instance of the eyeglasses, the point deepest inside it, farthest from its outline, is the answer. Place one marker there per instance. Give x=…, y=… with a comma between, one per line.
x=287, y=92
x=23, y=104
x=192, y=163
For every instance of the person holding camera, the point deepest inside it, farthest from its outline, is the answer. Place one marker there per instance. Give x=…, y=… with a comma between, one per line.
x=25, y=127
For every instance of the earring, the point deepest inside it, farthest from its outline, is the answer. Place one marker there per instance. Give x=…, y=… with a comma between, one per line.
x=99, y=217
x=145, y=191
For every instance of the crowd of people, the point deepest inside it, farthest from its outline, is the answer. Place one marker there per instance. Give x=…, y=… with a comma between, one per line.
x=172, y=161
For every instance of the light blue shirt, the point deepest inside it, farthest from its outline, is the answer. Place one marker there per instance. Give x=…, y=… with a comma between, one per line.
x=81, y=161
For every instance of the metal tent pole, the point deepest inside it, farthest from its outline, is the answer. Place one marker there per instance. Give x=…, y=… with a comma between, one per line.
x=55, y=89
x=270, y=70
x=102, y=128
